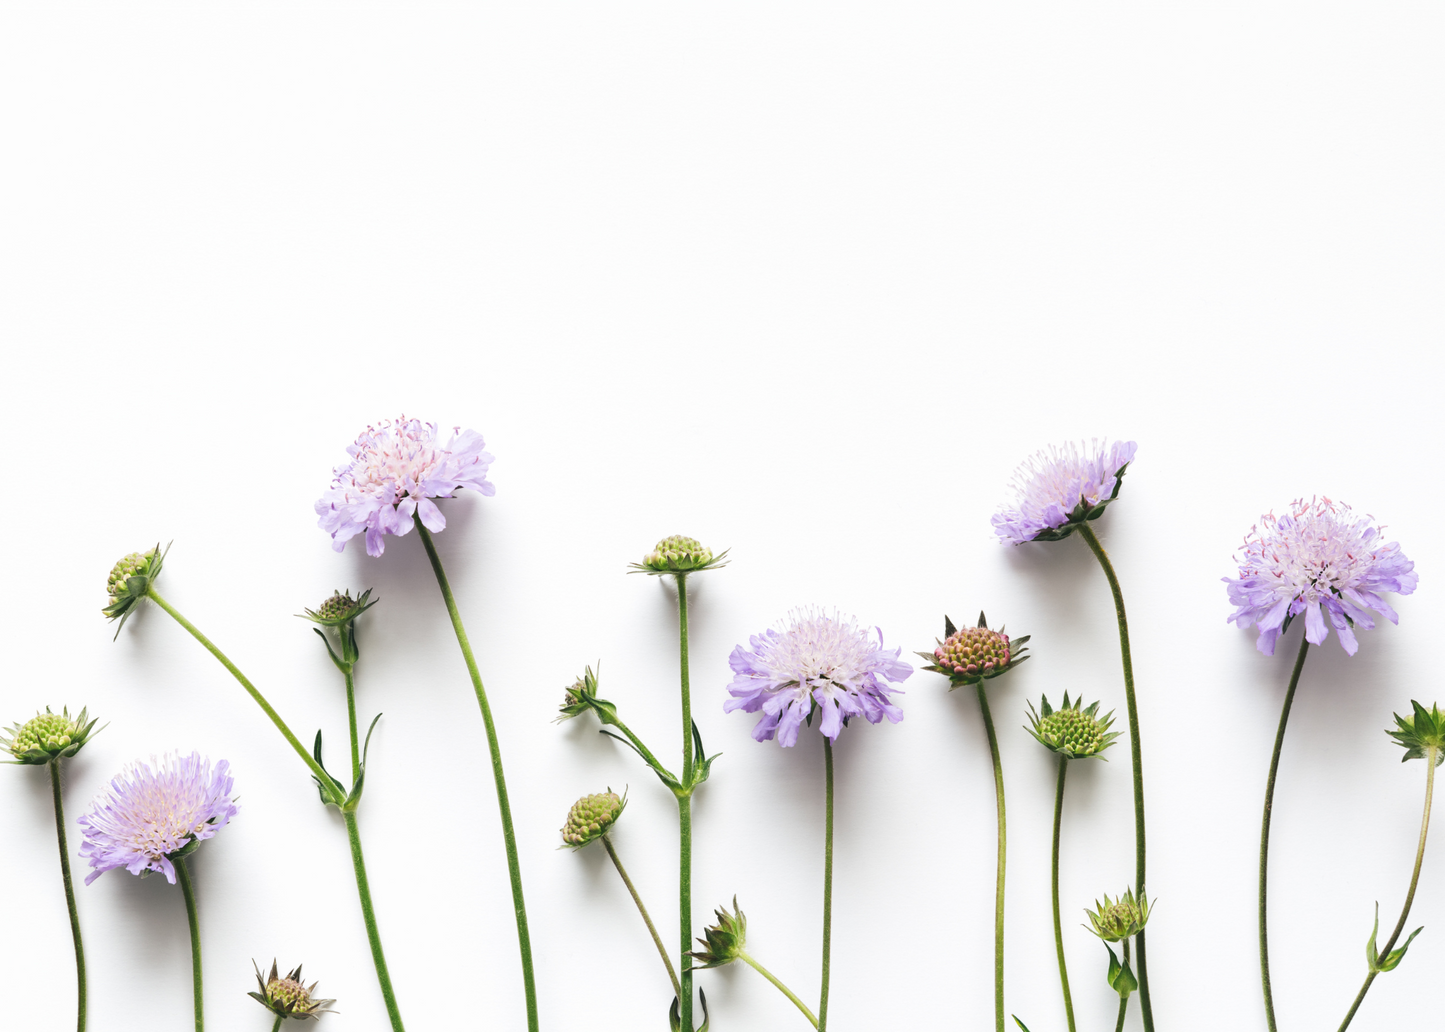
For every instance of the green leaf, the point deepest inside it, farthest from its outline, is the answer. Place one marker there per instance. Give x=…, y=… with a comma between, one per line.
x=1121, y=979
x=332, y=792
x=1391, y=962
x=1019, y=1023
x=703, y=766
x=1372, y=957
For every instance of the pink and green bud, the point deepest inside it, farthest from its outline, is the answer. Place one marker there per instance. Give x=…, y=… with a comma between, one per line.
x=48, y=736
x=678, y=554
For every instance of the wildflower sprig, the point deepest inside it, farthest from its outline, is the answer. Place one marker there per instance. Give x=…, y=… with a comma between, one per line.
x=974, y=654
x=48, y=736
x=581, y=696
x=1118, y=919
x=1073, y=730
x=340, y=612
x=725, y=940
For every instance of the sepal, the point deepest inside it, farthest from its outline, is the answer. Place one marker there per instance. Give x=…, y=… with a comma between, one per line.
x=1392, y=960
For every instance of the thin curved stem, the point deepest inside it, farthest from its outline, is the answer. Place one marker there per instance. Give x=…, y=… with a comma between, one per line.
x=750, y=962
x=363, y=890
x=195, y=632
x=1430, y=760
x=514, y=869
x=646, y=917
x=183, y=875
x=277, y=1027
x=998, y=895
x=1135, y=757
x=351, y=722
x=1264, y=835
x=1058, y=925
x=54, y=766
x=684, y=811
x=827, y=882
x=1123, y=999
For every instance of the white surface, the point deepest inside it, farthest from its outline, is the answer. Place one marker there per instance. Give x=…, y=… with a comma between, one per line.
x=807, y=284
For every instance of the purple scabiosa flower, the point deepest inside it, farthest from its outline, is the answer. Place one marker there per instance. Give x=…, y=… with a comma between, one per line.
x=396, y=470
x=153, y=815
x=1318, y=559
x=1060, y=488
x=815, y=660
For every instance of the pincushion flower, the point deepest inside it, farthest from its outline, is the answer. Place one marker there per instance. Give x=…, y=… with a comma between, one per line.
x=1060, y=488
x=1318, y=560
x=815, y=660
x=396, y=469
x=152, y=815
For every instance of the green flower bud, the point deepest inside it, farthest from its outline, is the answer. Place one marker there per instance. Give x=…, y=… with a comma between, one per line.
x=289, y=996
x=129, y=581
x=590, y=817
x=1421, y=734
x=973, y=654
x=725, y=940
x=678, y=554
x=48, y=736
x=1118, y=919
x=1073, y=730
x=339, y=609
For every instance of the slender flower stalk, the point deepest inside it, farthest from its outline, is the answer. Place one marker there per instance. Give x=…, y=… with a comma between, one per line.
x=1054, y=887
x=827, y=882
x=54, y=766
x=509, y=836
x=1135, y=759
x=1423, y=736
x=1001, y=867
x=1319, y=561
x=46, y=739
x=189, y=891
x=1123, y=997
x=1299, y=664
x=646, y=917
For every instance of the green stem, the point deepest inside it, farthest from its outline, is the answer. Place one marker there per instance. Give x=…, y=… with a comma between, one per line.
x=1430, y=760
x=183, y=875
x=750, y=962
x=827, y=882
x=1058, y=925
x=54, y=766
x=351, y=719
x=1264, y=836
x=1135, y=756
x=1123, y=997
x=363, y=889
x=524, y=939
x=320, y=774
x=684, y=811
x=277, y=1027
x=646, y=917
x=1002, y=851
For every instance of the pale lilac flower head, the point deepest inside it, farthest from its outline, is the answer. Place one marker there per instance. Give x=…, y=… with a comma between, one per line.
x=1318, y=559
x=815, y=660
x=150, y=815
x=1060, y=488
x=396, y=470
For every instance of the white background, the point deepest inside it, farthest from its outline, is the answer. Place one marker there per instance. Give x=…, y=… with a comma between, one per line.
x=804, y=283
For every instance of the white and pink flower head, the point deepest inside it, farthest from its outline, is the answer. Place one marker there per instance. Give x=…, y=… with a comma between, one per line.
x=815, y=660
x=1317, y=560
x=396, y=469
